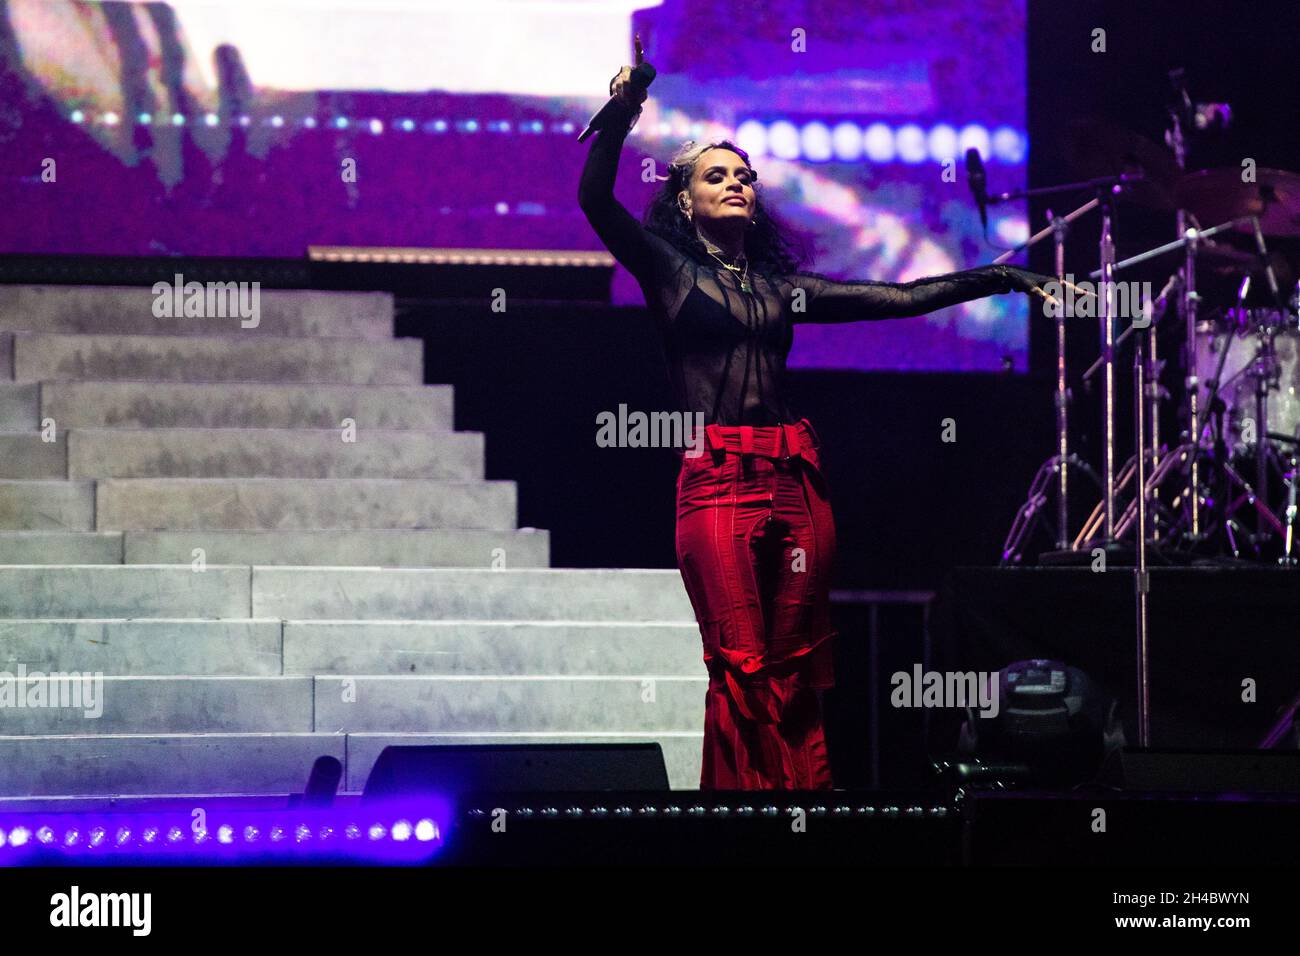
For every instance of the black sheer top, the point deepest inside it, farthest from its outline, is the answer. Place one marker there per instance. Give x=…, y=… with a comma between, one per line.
x=727, y=348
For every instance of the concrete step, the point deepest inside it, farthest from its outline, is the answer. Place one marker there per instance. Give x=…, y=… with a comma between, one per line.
x=68, y=771
x=250, y=356
x=94, y=704
x=242, y=452
x=125, y=591
x=24, y=454
x=271, y=453
x=266, y=647
x=682, y=749
x=428, y=548
x=142, y=648
x=47, y=505
x=553, y=648
x=116, y=802
x=20, y=402
x=465, y=704
x=161, y=763
x=252, y=504
x=130, y=309
x=244, y=405
x=351, y=594
x=169, y=704
x=65, y=547
x=529, y=594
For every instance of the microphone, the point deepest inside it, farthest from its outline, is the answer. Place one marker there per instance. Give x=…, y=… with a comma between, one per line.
x=643, y=75
x=978, y=184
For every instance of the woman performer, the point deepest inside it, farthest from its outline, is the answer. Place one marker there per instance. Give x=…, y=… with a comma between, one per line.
x=755, y=537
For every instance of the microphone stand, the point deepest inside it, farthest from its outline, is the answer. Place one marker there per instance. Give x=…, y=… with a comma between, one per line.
x=1060, y=226
x=1141, y=582
x=1188, y=243
x=1061, y=461
x=1176, y=141
x=1107, y=319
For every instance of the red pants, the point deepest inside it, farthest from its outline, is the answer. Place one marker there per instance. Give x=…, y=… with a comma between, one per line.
x=755, y=545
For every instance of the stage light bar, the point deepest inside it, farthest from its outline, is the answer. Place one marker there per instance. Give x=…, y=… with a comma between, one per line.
x=549, y=258
x=407, y=831
x=813, y=141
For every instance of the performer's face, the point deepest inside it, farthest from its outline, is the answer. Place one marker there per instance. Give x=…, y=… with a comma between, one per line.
x=722, y=189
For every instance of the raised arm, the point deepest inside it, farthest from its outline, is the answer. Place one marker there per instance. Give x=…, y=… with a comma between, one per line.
x=625, y=238
x=826, y=300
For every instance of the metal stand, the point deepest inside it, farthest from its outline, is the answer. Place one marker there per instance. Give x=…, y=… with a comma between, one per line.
x=1154, y=394
x=1174, y=139
x=1094, y=526
x=1107, y=318
x=1140, y=580
x=1288, y=559
x=1191, y=382
x=1060, y=226
x=1061, y=463
x=1264, y=371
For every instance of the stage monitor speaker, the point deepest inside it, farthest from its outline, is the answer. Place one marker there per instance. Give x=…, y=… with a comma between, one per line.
x=513, y=768
x=1213, y=771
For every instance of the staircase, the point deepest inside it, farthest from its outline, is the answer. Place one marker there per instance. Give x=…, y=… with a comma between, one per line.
x=273, y=546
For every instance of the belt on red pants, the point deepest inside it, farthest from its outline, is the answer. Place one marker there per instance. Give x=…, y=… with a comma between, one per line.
x=768, y=441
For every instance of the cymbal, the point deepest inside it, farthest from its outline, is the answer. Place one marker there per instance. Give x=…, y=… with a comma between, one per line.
x=1095, y=147
x=1218, y=195
x=1221, y=256
x=1220, y=269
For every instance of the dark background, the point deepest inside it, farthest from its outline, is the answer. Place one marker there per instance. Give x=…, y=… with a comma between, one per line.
x=908, y=506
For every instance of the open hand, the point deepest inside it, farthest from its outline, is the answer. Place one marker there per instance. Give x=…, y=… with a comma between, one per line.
x=1031, y=283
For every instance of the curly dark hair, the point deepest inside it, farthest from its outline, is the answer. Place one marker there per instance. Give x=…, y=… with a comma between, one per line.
x=771, y=246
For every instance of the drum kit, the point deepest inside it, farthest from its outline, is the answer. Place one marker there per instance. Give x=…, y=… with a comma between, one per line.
x=1225, y=489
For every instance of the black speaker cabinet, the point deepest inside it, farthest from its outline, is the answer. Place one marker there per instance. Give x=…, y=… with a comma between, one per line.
x=511, y=768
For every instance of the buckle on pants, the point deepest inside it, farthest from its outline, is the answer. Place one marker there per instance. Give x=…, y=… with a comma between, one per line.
x=791, y=435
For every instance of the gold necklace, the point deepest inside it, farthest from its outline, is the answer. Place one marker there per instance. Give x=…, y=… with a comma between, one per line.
x=744, y=277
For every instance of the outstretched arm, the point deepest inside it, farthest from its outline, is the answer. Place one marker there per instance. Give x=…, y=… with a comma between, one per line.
x=622, y=235
x=825, y=300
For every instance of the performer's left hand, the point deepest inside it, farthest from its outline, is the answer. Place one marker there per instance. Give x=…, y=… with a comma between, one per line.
x=1030, y=283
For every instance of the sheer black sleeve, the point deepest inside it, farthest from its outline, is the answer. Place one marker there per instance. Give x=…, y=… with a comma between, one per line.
x=825, y=300
x=644, y=254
